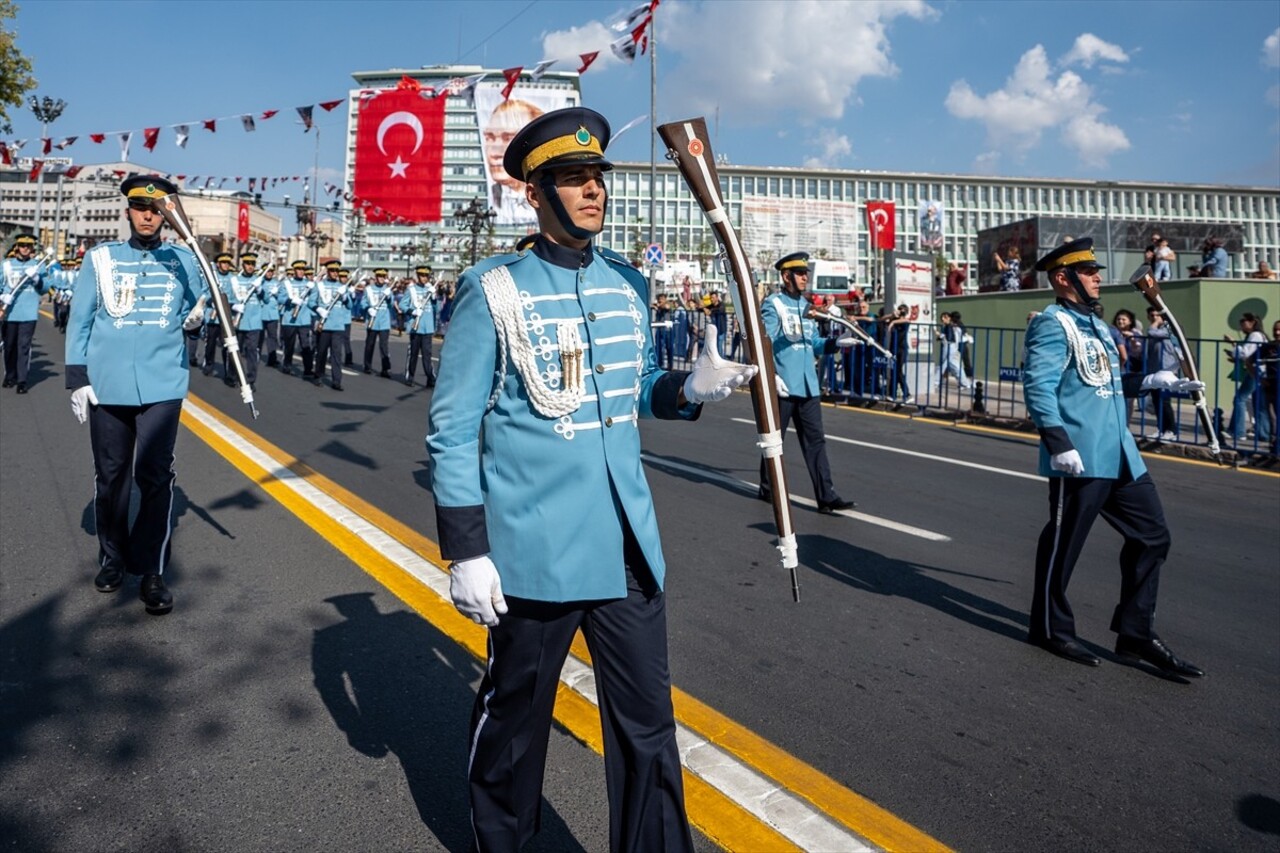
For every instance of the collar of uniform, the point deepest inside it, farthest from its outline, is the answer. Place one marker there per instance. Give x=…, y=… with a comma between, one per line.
x=1077, y=307
x=562, y=256
x=145, y=245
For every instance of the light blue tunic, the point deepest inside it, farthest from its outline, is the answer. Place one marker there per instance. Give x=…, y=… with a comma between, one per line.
x=554, y=489
x=340, y=312
x=25, y=307
x=246, y=290
x=378, y=300
x=270, y=299
x=132, y=352
x=797, y=342
x=419, y=321
x=1069, y=412
x=299, y=293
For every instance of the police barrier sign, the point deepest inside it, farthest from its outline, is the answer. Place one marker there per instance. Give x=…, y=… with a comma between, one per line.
x=1011, y=374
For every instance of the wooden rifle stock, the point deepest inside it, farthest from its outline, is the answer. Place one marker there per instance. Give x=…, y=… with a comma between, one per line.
x=688, y=147
x=858, y=331
x=170, y=207
x=1150, y=290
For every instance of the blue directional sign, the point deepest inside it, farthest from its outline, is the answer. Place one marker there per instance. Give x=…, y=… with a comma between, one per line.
x=653, y=254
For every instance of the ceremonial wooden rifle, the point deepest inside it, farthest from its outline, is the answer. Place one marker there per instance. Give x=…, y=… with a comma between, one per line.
x=342, y=290
x=302, y=300
x=29, y=277
x=857, y=330
x=170, y=207
x=688, y=147
x=257, y=287
x=1150, y=290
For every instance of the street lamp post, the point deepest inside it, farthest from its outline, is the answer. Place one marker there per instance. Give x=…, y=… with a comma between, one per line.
x=475, y=217
x=46, y=111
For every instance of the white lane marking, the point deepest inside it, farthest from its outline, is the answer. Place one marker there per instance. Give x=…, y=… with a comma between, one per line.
x=791, y=816
x=751, y=488
x=1008, y=473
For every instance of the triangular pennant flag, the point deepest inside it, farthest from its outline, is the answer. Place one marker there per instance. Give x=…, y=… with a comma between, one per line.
x=150, y=135
x=304, y=113
x=208, y=182
x=62, y=146
x=182, y=177
x=210, y=124
x=124, y=144
x=268, y=114
x=587, y=59
x=247, y=121
x=253, y=184
x=97, y=137
x=238, y=178
x=36, y=166
x=629, y=22
x=74, y=170
x=640, y=36
x=222, y=182
x=5, y=157
x=46, y=145
x=637, y=120
x=183, y=133
x=407, y=82
x=16, y=145
x=328, y=106
x=541, y=68
x=624, y=48
x=512, y=75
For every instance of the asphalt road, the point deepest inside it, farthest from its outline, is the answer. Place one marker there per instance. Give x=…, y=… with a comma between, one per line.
x=292, y=702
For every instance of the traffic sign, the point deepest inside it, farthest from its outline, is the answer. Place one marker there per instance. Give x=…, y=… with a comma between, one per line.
x=653, y=254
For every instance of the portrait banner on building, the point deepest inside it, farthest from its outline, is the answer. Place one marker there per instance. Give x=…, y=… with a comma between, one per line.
x=499, y=119
x=399, y=155
x=931, y=221
x=773, y=227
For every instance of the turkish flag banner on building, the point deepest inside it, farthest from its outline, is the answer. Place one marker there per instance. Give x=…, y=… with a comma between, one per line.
x=399, y=154
x=242, y=230
x=880, y=224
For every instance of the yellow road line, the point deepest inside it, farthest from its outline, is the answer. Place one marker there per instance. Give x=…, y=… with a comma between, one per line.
x=711, y=811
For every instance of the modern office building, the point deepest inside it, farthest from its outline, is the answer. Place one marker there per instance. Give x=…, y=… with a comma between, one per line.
x=781, y=209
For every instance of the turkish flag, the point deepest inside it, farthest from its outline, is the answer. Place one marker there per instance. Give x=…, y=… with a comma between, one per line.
x=242, y=231
x=399, y=154
x=880, y=224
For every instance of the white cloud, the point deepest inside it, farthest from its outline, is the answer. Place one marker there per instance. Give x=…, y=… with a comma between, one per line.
x=1089, y=49
x=568, y=45
x=834, y=148
x=754, y=71
x=1034, y=101
x=1271, y=50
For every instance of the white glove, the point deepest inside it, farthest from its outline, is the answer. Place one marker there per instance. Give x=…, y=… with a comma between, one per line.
x=81, y=399
x=6, y=299
x=194, y=320
x=1068, y=461
x=783, y=390
x=1167, y=380
x=238, y=308
x=342, y=290
x=371, y=311
x=476, y=590
x=848, y=341
x=323, y=312
x=713, y=379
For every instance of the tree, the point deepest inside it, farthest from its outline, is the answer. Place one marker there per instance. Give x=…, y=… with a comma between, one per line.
x=15, y=69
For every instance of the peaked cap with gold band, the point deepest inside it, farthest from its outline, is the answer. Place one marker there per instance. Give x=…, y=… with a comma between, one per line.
x=380, y=271
x=223, y=256
x=298, y=265
x=249, y=258
x=422, y=269
x=147, y=188
x=24, y=240
x=794, y=262
x=570, y=136
x=1077, y=252
x=333, y=265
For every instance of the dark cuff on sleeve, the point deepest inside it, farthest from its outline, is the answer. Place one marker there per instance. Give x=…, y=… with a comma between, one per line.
x=1056, y=440
x=830, y=346
x=665, y=399
x=77, y=376
x=463, y=532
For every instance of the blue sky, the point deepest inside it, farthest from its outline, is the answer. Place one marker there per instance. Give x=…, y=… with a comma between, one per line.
x=1182, y=91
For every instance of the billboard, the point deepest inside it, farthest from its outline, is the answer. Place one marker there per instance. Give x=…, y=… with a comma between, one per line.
x=773, y=227
x=499, y=120
x=932, y=224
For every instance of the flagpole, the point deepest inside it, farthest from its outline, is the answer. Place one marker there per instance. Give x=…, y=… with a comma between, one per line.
x=653, y=134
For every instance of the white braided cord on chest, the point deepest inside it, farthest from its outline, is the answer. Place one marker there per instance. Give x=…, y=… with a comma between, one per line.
x=513, y=344
x=118, y=300
x=1093, y=365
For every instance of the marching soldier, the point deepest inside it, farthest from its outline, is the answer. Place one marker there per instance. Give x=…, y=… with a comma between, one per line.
x=333, y=308
x=245, y=296
x=212, y=331
x=270, y=295
x=127, y=371
x=567, y=538
x=20, y=293
x=298, y=297
x=419, y=305
x=797, y=343
x=60, y=292
x=344, y=276
x=376, y=304
x=1074, y=396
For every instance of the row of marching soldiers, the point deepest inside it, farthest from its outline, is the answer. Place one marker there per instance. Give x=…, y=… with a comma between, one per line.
x=310, y=315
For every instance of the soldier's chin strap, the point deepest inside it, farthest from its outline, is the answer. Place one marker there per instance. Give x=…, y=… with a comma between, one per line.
x=1089, y=301
x=547, y=183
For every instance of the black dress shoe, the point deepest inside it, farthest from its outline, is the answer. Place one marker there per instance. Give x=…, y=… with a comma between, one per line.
x=155, y=597
x=22, y=387
x=109, y=579
x=315, y=380
x=385, y=374
x=9, y=383
x=207, y=370
x=832, y=507
x=762, y=494
x=408, y=380
x=1066, y=649
x=368, y=370
x=337, y=387
x=1156, y=653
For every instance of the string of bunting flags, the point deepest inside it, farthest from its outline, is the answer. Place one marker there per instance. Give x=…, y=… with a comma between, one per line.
x=634, y=39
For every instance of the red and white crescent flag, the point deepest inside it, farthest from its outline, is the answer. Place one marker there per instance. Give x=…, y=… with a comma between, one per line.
x=399, y=155
x=880, y=224
x=149, y=137
x=242, y=230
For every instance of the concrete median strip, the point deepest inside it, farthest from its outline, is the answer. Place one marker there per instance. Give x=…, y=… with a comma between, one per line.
x=738, y=800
